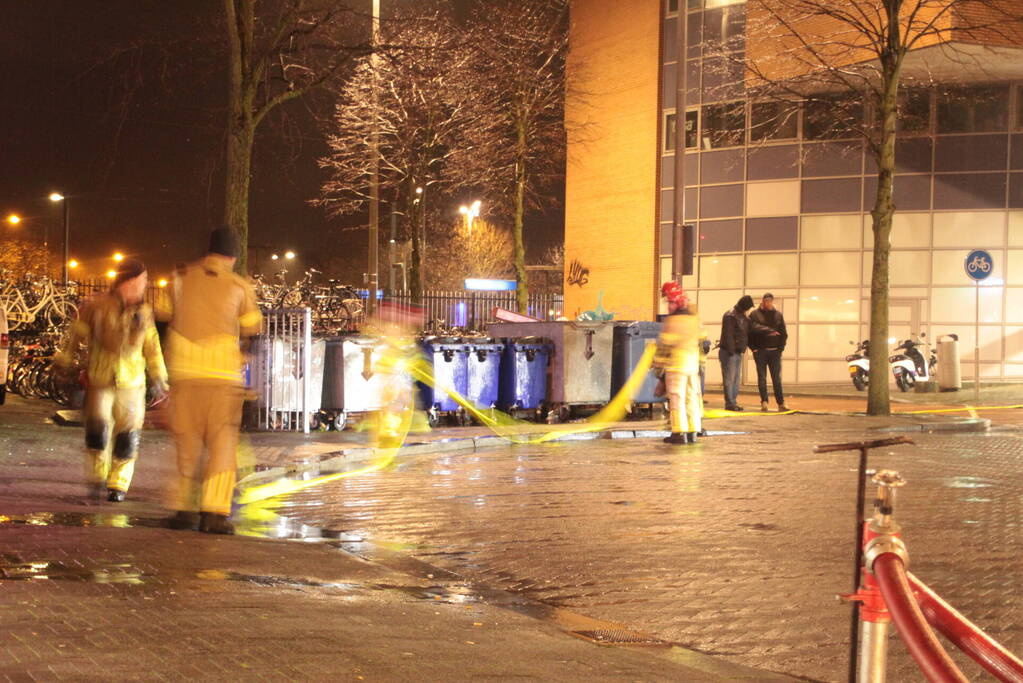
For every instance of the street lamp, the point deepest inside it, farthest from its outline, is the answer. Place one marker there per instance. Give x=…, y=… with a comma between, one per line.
x=58, y=197
x=274, y=257
x=118, y=256
x=111, y=274
x=470, y=212
x=14, y=219
x=72, y=264
x=162, y=282
x=289, y=255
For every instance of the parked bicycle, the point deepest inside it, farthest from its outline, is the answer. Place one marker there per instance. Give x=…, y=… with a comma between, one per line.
x=335, y=306
x=31, y=300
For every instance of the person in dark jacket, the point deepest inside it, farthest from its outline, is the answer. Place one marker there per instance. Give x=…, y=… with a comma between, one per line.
x=734, y=340
x=767, y=340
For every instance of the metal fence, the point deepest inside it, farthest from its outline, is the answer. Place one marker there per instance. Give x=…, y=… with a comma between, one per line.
x=285, y=371
x=471, y=310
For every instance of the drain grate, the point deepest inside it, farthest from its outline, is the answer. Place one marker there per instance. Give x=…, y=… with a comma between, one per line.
x=619, y=636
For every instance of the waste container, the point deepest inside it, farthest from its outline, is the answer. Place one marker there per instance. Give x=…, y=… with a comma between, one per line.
x=277, y=376
x=630, y=341
x=523, y=383
x=580, y=365
x=448, y=359
x=351, y=383
x=950, y=377
x=484, y=372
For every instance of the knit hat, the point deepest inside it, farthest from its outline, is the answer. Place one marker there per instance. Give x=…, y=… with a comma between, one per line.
x=128, y=269
x=744, y=304
x=224, y=241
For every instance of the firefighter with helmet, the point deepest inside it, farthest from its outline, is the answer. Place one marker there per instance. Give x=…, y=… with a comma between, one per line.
x=678, y=357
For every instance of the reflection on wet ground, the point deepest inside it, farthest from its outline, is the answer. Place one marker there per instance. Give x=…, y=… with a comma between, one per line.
x=736, y=548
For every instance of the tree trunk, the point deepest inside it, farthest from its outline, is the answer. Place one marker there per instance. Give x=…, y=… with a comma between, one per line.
x=522, y=291
x=240, y=137
x=416, y=256
x=884, y=207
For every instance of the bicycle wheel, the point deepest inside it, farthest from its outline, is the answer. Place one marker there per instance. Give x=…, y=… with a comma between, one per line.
x=292, y=299
x=60, y=311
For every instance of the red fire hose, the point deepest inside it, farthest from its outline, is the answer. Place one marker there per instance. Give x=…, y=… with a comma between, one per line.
x=920, y=640
x=966, y=635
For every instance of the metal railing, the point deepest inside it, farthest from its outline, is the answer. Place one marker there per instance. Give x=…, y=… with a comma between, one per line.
x=282, y=372
x=473, y=310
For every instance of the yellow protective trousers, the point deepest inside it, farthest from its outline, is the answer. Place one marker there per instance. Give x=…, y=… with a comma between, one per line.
x=205, y=416
x=113, y=424
x=685, y=403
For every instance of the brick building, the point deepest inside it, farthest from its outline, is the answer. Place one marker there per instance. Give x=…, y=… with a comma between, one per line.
x=786, y=208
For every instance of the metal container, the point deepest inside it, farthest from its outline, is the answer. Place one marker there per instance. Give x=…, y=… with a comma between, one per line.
x=630, y=341
x=483, y=372
x=524, y=374
x=950, y=377
x=581, y=364
x=351, y=383
x=448, y=358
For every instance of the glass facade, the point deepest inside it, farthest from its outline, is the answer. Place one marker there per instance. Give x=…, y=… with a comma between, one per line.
x=781, y=200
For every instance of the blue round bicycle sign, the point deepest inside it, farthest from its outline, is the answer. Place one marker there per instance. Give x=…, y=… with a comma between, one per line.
x=979, y=264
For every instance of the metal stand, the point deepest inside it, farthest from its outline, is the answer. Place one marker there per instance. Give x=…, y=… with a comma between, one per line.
x=861, y=487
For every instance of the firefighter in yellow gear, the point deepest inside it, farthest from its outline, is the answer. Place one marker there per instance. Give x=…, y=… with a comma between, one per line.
x=678, y=357
x=210, y=310
x=122, y=344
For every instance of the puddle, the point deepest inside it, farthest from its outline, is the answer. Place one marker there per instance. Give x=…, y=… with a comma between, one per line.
x=48, y=571
x=81, y=519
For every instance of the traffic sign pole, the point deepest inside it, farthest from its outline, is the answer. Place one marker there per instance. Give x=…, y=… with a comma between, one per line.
x=979, y=265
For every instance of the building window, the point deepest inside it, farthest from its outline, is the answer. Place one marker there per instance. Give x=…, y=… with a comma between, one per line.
x=773, y=121
x=672, y=6
x=723, y=125
x=1019, y=107
x=724, y=28
x=691, y=4
x=831, y=117
x=973, y=110
x=671, y=130
x=914, y=115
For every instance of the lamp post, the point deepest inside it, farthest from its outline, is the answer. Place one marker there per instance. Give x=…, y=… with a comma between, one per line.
x=14, y=219
x=470, y=212
x=58, y=197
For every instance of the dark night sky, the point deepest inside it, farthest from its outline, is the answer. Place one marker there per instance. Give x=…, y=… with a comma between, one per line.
x=147, y=178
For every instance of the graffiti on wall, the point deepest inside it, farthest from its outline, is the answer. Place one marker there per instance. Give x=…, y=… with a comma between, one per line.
x=577, y=273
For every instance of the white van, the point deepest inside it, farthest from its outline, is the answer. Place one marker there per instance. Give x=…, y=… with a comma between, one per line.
x=4, y=344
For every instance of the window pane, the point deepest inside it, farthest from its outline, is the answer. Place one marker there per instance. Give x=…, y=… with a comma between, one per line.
x=914, y=111
x=723, y=125
x=773, y=121
x=831, y=117
x=672, y=5
x=670, y=130
x=1019, y=108
x=973, y=110
x=692, y=137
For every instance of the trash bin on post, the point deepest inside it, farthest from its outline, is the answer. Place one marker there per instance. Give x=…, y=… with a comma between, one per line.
x=581, y=364
x=950, y=377
x=630, y=341
x=484, y=372
x=523, y=383
x=448, y=358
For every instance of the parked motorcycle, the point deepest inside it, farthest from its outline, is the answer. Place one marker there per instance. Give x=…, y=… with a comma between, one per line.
x=912, y=366
x=859, y=365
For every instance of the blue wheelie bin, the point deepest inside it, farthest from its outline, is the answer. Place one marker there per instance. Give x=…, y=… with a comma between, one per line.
x=484, y=371
x=630, y=340
x=524, y=374
x=448, y=357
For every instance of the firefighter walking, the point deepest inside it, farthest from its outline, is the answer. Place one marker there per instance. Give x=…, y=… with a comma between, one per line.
x=210, y=311
x=121, y=344
x=678, y=356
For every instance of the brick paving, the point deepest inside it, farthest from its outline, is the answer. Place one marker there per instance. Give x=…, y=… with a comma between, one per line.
x=102, y=592
x=735, y=548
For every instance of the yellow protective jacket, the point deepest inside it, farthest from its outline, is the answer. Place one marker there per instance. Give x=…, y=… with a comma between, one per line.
x=121, y=343
x=209, y=308
x=678, y=346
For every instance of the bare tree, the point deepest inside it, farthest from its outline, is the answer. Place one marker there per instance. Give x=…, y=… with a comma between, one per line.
x=419, y=103
x=836, y=57
x=517, y=153
x=279, y=50
x=485, y=252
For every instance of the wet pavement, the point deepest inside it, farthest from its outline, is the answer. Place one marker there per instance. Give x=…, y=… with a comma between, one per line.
x=736, y=547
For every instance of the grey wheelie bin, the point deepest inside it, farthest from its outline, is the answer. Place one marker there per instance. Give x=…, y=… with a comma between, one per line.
x=630, y=340
x=351, y=384
x=580, y=365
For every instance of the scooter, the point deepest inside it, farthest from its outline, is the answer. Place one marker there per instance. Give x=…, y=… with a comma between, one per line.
x=859, y=365
x=910, y=366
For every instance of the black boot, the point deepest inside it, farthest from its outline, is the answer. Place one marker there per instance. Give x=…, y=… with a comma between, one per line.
x=212, y=523
x=676, y=438
x=183, y=521
x=115, y=496
x=691, y=437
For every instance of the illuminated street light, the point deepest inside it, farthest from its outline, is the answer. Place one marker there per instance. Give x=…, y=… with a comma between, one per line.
x=470, y=212
x=14, y=219
x=274, y=257
x=56, y=197
x=118, y=256
x=111, y=274
x=72, y=264
x=289, y=255
x=162, y=282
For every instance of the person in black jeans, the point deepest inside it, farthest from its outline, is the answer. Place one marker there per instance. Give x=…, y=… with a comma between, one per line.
x=735, y=328
x=767, y=339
